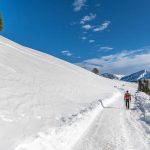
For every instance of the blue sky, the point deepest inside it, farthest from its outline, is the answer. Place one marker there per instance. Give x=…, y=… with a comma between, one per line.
x=111, y=35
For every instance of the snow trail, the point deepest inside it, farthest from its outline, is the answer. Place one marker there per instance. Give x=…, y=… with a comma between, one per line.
x=67, y=135
x=114, y=129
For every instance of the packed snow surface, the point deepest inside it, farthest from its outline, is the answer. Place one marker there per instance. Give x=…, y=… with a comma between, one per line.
x=49, y=104
x=115, y=129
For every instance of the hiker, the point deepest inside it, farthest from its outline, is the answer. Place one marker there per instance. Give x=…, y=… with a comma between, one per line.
x=127, y=98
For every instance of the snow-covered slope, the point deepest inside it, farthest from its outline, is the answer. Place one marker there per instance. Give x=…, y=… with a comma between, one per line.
x=109, y=75
x=38, y=90
x=49, y=104
x=144, y=74
x=119, y=76
x=112, y=76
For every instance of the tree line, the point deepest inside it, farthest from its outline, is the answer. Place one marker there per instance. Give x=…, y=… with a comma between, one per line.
x=143, y=85
x=96, y=71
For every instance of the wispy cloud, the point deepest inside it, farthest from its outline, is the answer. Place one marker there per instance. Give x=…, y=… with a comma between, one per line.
x=73, y=23
x=85, y=32
x=87, y=27
x=125, y=62
x=91, y=41
x=83, y=38
x=66, y=53
x=87, y=18
x=102, y=27
x=106, y=48
x=98, y=5
x=79, y=4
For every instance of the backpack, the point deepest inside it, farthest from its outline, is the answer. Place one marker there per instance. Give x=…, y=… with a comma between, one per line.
x=127, y=96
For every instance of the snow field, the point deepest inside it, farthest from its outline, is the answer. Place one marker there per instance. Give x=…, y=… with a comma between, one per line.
x=66, y=136
x=49, y=104
x=38, y=90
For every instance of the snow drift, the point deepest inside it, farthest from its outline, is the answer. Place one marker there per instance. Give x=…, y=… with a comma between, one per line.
x=142, y=101
x=38, y=90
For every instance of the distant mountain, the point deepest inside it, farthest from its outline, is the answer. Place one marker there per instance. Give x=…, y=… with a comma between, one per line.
x=143, y=74
x=112, y=76
x=119, y=76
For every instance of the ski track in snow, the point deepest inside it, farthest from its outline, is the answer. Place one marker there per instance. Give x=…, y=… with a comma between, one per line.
x=69, y=132
x=114, y=129
x=110, y=128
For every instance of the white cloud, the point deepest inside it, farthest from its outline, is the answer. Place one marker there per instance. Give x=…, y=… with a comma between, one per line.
x=91, y=41
x=83, y=38
x=85, y=32
x=125, y=62
x=87, y=18
x=106, y=48
x=87, y=27
x=102, y=27
x=73, y=23
x=66, y=53
x=78, y=4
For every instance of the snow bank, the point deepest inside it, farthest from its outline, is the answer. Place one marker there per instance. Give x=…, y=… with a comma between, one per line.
x=143, y=103
x=71, y=131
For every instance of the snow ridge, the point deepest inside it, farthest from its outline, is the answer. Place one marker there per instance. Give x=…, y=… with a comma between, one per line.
x=144, y=74
x=112, y=76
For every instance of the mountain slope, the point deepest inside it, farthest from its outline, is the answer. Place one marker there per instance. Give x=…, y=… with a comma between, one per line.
x=144, y=74
x=38, y=90
x=112, y=76
x=49, y=104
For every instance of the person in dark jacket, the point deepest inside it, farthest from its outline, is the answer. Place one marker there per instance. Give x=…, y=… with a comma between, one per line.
x=127, y=98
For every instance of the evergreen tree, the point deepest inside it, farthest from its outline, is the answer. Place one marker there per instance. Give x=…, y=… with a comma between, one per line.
x=1, y=23
x=95, y=70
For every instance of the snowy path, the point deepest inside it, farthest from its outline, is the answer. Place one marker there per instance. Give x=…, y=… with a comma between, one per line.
x=114, y=129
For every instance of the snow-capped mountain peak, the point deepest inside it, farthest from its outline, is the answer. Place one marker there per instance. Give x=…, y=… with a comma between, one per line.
x=112, y=76
x=143, y=74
